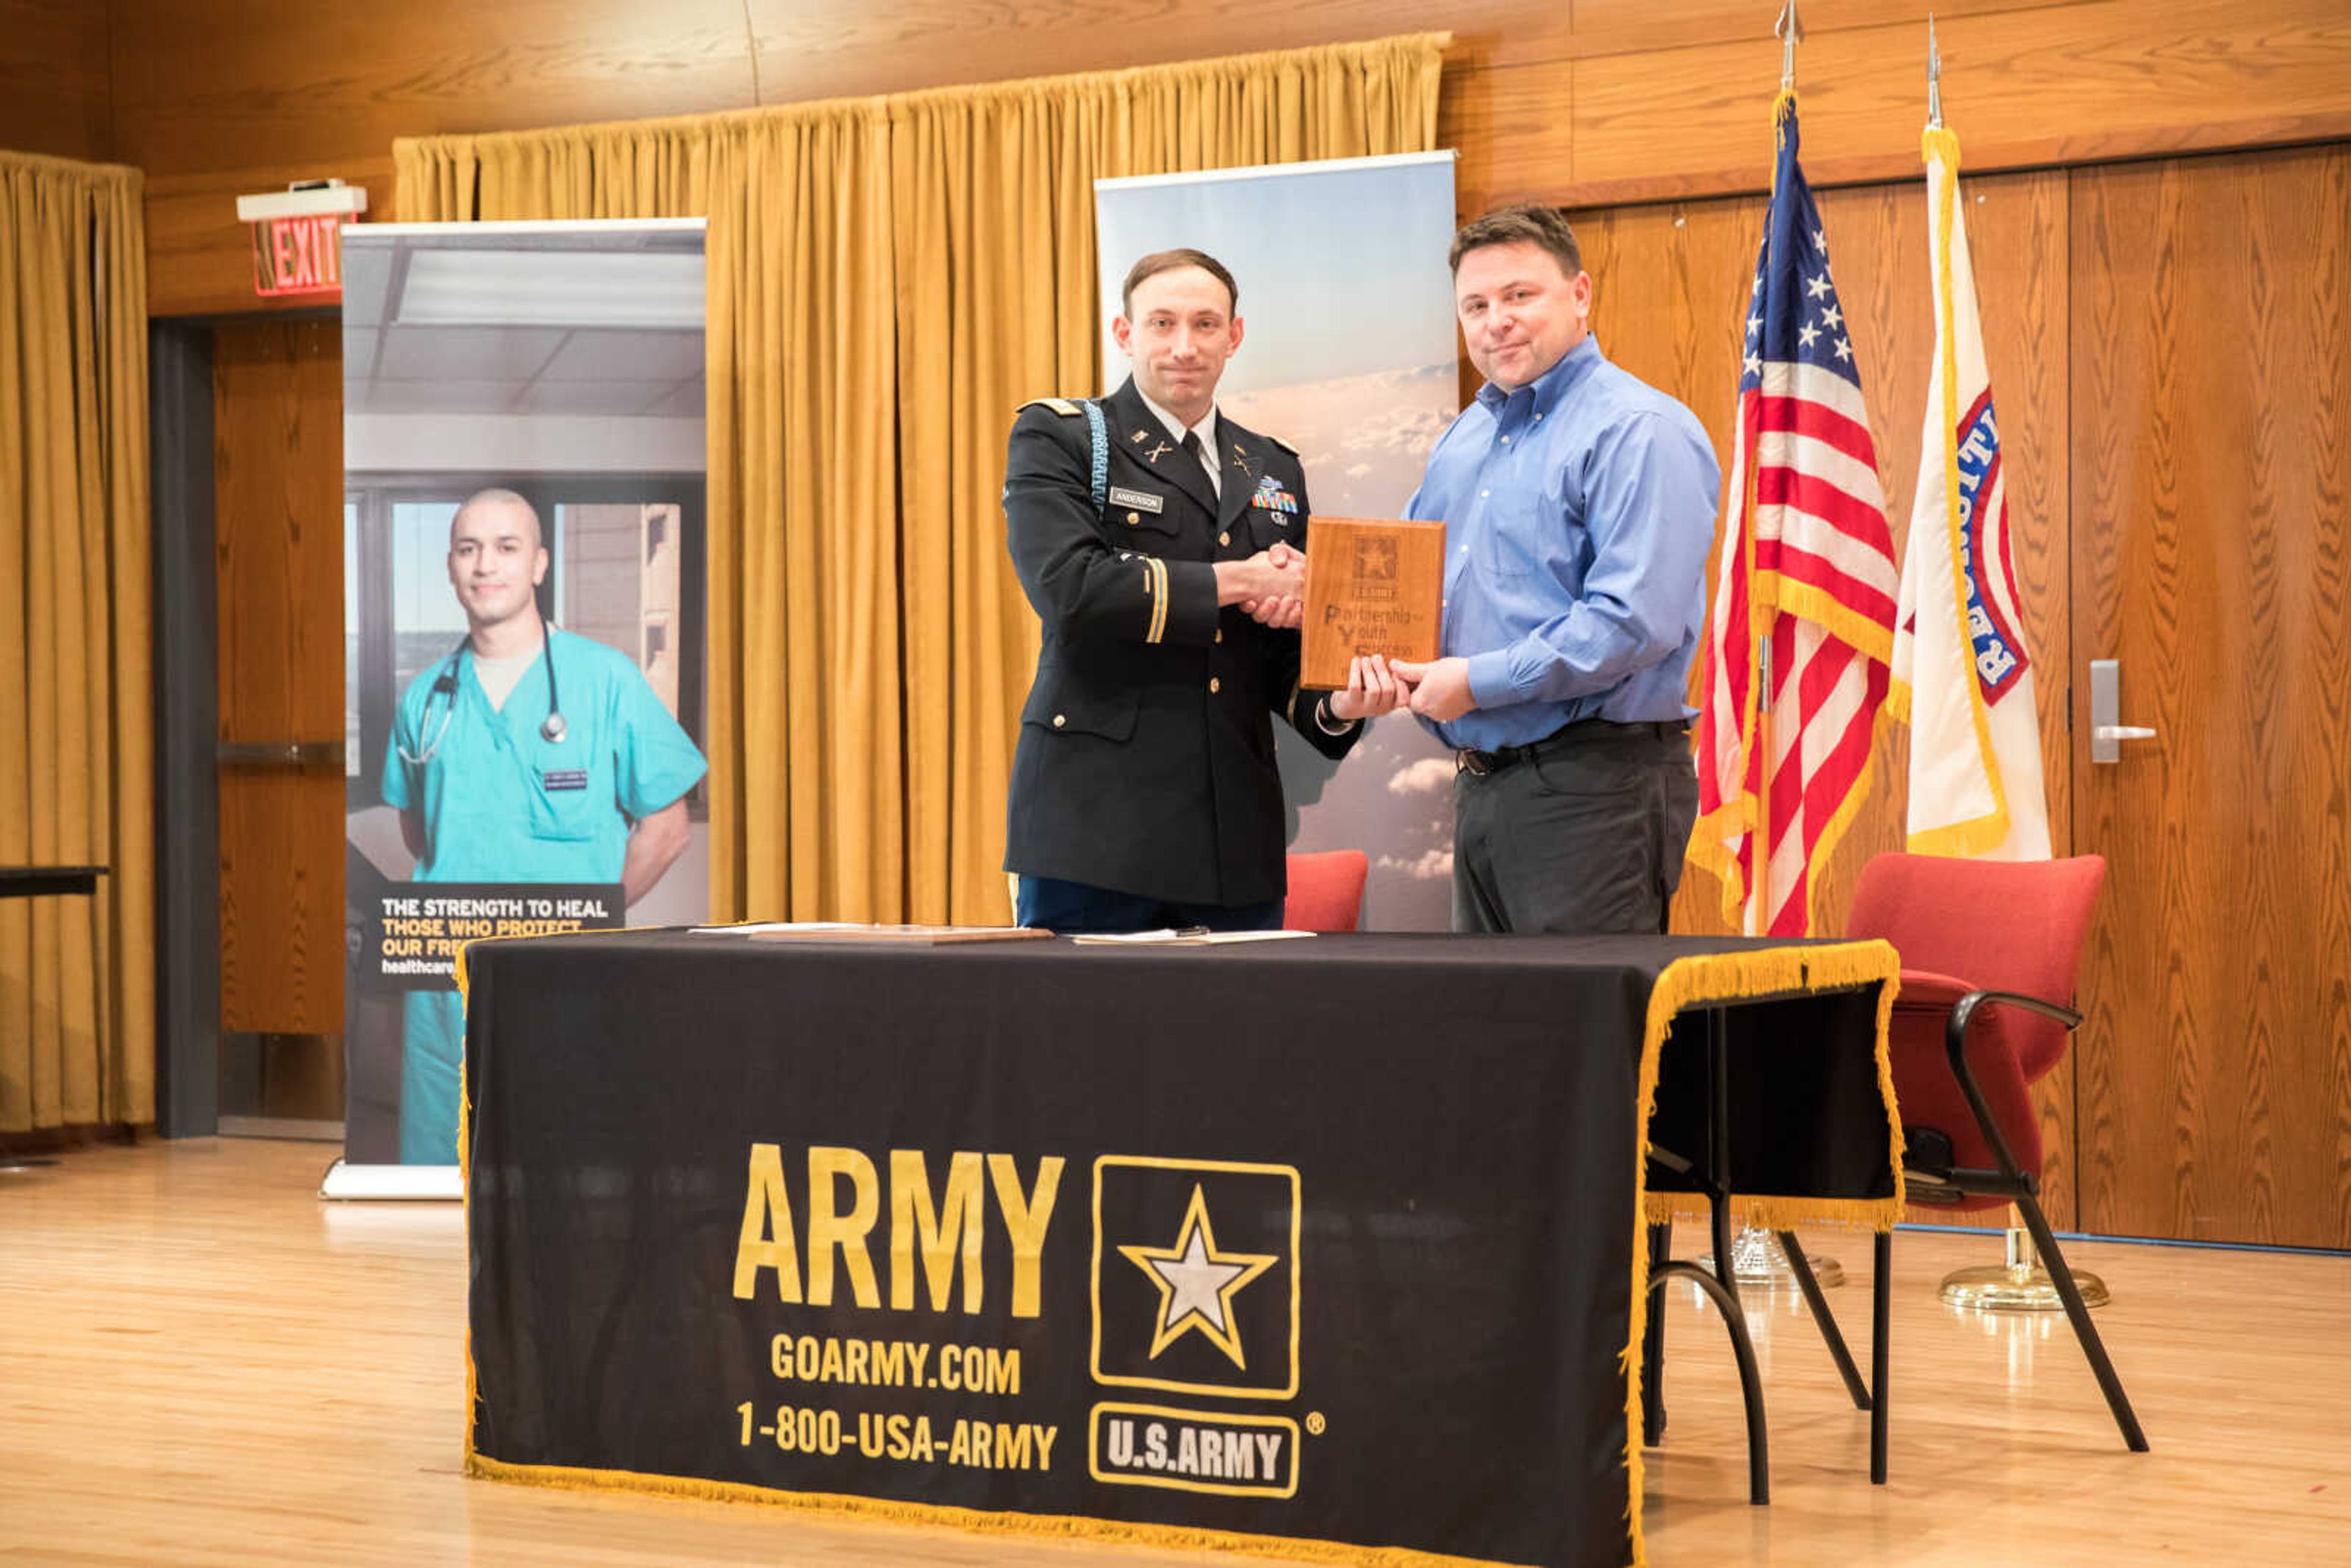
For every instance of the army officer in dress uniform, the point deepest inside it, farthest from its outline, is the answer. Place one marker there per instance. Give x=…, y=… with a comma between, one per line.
x=1162, y=546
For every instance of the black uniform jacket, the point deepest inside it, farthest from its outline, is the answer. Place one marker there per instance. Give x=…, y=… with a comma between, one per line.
x=1145, y=762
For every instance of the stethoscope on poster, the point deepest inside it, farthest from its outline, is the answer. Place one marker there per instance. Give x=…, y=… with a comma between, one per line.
x=552, y=726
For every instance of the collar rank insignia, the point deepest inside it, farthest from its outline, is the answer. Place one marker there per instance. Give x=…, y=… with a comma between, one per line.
x=1138, y=435
x=1271, y=495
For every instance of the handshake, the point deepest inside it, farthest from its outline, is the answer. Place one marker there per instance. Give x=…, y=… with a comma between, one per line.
x=1269, y=587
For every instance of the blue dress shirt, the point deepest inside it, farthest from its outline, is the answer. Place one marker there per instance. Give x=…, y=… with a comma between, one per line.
x=1579, y=511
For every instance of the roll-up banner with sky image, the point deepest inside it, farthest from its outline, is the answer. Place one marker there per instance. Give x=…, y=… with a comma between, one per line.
x=1348, y=354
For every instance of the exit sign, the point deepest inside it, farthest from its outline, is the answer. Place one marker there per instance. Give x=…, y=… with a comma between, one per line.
x=299, y=255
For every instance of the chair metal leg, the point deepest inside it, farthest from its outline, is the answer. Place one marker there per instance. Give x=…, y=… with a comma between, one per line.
x=1881, y=1296
x=1726, y=1291
x=1801, y=1267
x=1716, y=1282
x=1653, y=1347
x=1751, y=1378
x=2061, y=1275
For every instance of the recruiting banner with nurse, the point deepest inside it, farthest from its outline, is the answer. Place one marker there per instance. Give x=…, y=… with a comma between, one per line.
x=524, y=629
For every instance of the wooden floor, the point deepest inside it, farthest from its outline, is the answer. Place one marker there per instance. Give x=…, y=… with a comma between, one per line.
x=201, y=1364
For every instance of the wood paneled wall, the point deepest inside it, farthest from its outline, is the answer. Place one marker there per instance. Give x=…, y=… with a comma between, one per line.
x=2165, y=341
x=1581, y=100
x=1649, y=116
x=54, y=92
x=1671, y=282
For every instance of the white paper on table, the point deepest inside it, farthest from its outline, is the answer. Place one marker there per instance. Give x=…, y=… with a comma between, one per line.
x=1170, y=937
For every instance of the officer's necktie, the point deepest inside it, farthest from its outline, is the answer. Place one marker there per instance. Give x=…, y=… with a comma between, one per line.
x=1192, y=449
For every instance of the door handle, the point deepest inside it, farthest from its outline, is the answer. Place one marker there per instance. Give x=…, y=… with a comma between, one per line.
x=279, y=754
x=2106, y=731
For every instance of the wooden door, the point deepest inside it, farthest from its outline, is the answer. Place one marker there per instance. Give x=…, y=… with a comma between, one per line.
x=2212, y=494
x=278, y=507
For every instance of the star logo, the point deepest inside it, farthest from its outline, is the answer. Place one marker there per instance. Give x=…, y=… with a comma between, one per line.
x=1843, y=349
x=1808, y=335
x=1196, y=1283
x=1817, y=287
x=1195, y=1276
x=1832, y=317
x=1754, y=364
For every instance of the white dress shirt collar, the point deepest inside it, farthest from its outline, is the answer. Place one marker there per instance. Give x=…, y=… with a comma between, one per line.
x=1208, y=433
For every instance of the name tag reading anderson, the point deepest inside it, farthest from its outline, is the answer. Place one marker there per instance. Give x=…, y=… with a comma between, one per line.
x=1372, y=586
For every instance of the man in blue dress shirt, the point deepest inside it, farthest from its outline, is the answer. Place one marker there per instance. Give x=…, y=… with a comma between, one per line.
x=1580, y=506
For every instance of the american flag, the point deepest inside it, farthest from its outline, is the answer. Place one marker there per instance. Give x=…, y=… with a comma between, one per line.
x=1803, y=626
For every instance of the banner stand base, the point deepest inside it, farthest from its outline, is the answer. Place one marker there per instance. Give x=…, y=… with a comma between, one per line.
x=345, y=1181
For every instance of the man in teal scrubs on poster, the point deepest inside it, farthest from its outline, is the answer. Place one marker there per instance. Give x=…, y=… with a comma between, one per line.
x=528, y=755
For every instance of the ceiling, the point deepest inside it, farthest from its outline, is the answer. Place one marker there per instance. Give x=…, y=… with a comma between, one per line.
x=524, y=320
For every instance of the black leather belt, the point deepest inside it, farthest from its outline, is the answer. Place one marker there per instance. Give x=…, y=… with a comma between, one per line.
x=1469, y=760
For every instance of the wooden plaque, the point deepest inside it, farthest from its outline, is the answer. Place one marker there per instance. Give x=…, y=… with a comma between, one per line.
x=1372, y=586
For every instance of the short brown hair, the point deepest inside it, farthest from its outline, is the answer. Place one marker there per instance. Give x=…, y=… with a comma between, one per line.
x=1545, y=226
x=1160, y=261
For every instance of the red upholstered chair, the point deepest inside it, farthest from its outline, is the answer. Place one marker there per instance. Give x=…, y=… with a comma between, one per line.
x=1989, y=951
x=1326, y=891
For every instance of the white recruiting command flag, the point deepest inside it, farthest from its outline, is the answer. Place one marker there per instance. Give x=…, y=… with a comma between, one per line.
x=1962, y=675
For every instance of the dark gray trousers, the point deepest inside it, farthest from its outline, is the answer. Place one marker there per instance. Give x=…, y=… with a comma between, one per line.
x=1583, y=832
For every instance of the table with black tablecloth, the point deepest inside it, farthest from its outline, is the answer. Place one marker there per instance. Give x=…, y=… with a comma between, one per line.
x=49, y=880
x=45, y=882
x=1328, y=1247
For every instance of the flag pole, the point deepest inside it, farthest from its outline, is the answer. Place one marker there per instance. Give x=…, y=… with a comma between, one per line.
x=1789, y=30
x=1756, y=1256
x=2018, y=1283
x=1934, y=77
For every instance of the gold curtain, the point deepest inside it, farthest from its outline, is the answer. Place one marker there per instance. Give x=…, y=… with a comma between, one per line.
x=890, y=278
x=806, y=782
x=76, y=975
x=996, y=304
